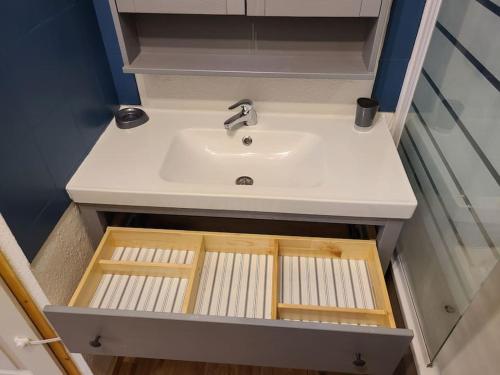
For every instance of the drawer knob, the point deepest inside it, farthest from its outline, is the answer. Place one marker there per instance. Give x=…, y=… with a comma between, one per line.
x=96, y=343
x=359, y=362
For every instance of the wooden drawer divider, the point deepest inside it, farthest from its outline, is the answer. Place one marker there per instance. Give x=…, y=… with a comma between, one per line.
x=276, y=246
x=194, y=279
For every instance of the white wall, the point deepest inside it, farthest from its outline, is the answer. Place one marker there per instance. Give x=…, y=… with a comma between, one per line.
x=33, y=359
x=270, y=94
x=55, y=271
x=22, y=268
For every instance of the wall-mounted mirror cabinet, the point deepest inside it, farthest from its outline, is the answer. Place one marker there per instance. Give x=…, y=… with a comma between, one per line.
x=338, y=39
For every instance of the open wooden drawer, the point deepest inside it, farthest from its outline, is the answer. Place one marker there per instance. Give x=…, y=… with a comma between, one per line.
x=294, y=302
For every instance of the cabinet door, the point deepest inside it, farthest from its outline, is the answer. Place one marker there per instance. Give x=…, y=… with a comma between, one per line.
x=182, y=6
x=314, y=8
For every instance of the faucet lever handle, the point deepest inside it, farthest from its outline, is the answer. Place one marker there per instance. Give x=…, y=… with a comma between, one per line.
x=242, y=103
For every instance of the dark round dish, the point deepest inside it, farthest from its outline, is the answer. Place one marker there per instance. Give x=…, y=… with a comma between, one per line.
x=130, y=117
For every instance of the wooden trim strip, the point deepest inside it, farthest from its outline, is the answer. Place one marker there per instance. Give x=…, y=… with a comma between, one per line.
x=333, y=314
x=90, y=280
x=275, y=281
x=238, y=244
x=312, y=253
x=194, y=280
x=246, y=236
x=36, y=316
x=379, y=287
x=202, y=242
x=154, y=239
x=144, y=268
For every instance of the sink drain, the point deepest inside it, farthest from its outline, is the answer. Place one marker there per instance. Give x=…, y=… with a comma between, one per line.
x=244, y=180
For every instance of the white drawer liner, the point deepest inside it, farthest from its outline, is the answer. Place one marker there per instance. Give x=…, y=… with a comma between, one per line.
x=143, y=293
x=235, y=284
x=325, y=282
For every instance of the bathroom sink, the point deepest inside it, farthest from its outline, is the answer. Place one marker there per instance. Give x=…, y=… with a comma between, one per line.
x=296, y=163
x=270, y=158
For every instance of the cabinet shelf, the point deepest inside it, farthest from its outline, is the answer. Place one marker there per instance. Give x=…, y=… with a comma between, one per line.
x=240, y=45
x=345, y=65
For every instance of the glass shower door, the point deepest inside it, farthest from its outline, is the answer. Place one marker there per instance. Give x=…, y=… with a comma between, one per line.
x=450, y=148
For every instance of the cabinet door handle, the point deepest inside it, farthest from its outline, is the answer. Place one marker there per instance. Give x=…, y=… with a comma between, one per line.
x=96, y=343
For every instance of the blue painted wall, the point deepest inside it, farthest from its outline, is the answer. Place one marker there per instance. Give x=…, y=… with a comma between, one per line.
x=400, y=38
x=125, y=84
x=57, y=96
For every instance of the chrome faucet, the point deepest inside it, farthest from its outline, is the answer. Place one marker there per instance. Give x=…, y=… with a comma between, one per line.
x=247, y=116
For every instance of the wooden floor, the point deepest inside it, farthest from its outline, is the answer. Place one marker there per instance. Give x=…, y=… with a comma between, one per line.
x=138, y=366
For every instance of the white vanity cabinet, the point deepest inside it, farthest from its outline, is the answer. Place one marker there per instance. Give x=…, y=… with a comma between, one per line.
x=314, y=8
x=227, y=7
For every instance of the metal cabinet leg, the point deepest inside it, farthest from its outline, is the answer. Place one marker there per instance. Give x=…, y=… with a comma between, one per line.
x=95, y=223
x=387, y=239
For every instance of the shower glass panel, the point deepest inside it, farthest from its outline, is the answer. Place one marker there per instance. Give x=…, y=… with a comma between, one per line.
x=451, y=151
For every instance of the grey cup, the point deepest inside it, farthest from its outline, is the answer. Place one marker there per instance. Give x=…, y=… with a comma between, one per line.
x=365, y=112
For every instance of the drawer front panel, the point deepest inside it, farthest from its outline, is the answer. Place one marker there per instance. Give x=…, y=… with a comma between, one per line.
x=182, y=6
x=275, y=343
x=314, y=8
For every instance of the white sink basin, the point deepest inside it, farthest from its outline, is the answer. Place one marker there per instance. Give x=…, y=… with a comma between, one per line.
x=299, y=163
x=274, y=158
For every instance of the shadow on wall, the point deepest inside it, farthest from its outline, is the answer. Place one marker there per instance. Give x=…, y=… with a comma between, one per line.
x=57, y=95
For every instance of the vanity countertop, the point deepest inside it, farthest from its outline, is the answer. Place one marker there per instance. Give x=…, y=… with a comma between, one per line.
x=300, y=163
